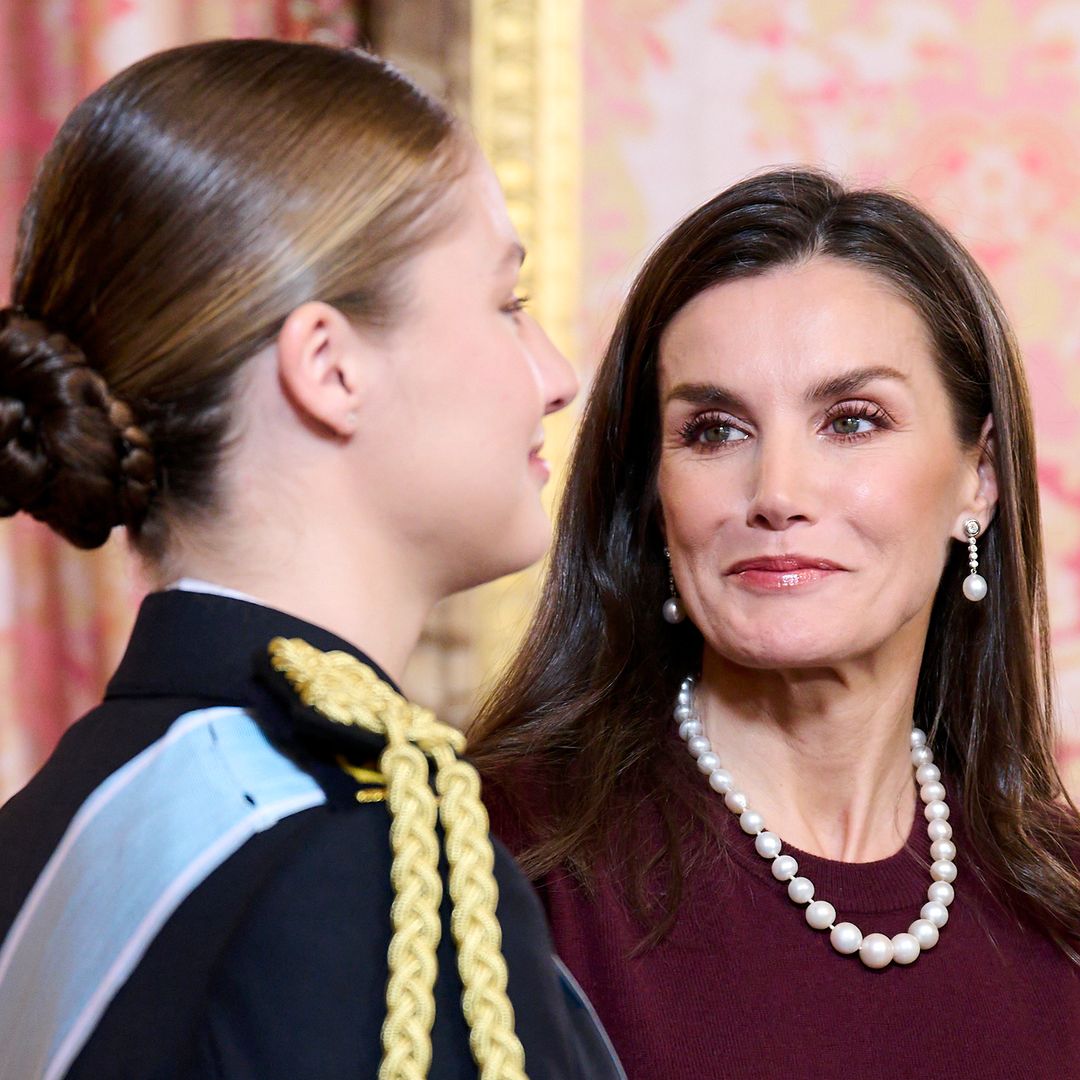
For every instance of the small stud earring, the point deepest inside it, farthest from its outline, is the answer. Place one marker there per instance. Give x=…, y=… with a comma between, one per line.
x=674, y=612
x=974, y=583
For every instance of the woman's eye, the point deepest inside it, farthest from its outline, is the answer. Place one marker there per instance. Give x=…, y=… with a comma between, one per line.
x=714, y=434
x=516, y=305
x=851, y=425
x=718, y=433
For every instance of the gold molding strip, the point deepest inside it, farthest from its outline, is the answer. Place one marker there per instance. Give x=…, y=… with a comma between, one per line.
x=526, y=109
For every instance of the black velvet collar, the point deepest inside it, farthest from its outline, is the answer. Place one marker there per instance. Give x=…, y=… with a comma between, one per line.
x=191, y=644
x=204, y=647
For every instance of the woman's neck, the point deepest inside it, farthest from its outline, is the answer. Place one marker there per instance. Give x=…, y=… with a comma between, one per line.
x=823, y=755
x=349, y=588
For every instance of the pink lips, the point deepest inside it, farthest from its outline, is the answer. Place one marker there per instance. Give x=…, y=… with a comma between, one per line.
x=778, y=572
x=538, y=464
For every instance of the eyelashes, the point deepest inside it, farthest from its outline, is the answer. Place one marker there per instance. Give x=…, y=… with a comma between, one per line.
x=712, y=430
x=517, y=304
x=864, y=410
x=694, y=429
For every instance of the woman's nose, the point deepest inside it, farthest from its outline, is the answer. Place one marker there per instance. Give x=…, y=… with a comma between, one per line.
x=558, y=380
x=781, y=484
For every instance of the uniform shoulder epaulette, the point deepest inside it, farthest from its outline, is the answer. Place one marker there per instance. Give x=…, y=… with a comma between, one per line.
x=348, y=694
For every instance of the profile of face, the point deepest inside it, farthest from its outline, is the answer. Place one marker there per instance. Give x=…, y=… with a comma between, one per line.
x=455, y=419
x=811, y=478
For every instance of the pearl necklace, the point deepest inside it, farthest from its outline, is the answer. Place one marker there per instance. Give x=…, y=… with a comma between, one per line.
x=875, y=950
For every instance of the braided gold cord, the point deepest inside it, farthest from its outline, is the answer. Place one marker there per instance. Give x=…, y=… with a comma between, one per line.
x=349, y=692
x=474, y=923
x=414, y=914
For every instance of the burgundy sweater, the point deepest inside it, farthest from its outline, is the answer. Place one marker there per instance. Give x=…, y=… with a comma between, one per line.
x=744, y=988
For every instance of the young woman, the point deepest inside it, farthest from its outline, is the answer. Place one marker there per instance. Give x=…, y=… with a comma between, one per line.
x=264, y=316
x=791, y=666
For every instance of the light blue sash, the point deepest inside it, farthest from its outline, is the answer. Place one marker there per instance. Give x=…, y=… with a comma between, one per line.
x=140, y=844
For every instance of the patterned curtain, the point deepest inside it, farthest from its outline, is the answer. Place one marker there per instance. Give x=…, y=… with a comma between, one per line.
x=65, y=614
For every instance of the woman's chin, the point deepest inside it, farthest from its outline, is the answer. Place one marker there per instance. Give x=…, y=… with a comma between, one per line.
x=530, y=546
x=783, y=651
x=519, y=551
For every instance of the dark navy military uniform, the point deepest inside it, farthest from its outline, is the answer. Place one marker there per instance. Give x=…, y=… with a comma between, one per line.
x=275, y=963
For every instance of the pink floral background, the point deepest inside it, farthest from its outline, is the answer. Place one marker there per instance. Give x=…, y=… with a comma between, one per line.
x=972, y=106
x=64, y=614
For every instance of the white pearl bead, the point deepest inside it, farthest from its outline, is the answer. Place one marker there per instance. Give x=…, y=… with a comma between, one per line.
x=938, y=829
x=767, y=845
x=905, y=948
x=689, y=728
x=943, y=870
x=927, y=774
x=801, y=890
x=673, y=610
x=942, y=892
x=975, y=587
x=943, y=849
x=720, y=780
x=924, y=932
x=698, y=745
x=876, y=951
x=922, y=755
x=846, y=938
x=934, y=792
x=708, y=761
x=821, y=914
x=935, y=912
x=784, y=867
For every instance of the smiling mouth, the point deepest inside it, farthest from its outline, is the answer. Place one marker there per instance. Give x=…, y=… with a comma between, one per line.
x=539, y=464
x=782, y=572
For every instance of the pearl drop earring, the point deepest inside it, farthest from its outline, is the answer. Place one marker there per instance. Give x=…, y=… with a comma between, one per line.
x=674, y=612
x=974, y=583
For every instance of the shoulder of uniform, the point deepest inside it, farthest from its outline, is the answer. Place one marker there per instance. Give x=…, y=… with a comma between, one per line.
x=294, y=681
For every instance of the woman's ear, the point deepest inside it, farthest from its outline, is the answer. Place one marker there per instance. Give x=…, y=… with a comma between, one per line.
x=982, y=501
x=320, y=360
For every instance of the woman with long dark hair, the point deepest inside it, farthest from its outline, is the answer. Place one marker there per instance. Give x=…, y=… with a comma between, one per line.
x=778, y=746
x=264, y=298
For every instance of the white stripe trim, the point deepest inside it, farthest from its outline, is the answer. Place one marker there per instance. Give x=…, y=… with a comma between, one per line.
x=133, y=951
x=198, y=585
x=85, y=815
x=222, y=786
x=600, y=1029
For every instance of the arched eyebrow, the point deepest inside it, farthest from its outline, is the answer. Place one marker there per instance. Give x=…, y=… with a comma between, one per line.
x=851, y=382
x=835, y=386
x=707, y=394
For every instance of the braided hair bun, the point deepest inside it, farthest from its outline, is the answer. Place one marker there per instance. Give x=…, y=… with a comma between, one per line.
x=71, y=454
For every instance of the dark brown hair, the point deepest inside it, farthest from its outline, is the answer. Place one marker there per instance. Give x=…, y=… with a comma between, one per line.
x=184, y=209
x=584, y=713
